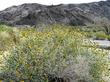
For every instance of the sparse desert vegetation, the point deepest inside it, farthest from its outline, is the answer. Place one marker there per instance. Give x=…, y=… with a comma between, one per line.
x=50, y=53
x=55, y=43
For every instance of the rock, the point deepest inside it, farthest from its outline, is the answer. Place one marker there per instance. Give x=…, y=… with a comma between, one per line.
x=70, y=14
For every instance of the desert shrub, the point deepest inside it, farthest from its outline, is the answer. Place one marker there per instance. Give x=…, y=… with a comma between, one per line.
x=54, y=52
x=108, y=37
x=8, y=37
x=100, y=35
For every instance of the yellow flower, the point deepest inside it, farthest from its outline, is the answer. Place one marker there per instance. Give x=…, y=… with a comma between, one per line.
x=1, y=81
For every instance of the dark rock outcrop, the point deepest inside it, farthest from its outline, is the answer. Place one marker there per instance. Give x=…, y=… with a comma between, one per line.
x=70, y=14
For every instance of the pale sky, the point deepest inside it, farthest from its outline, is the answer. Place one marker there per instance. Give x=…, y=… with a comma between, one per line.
x=7, y=3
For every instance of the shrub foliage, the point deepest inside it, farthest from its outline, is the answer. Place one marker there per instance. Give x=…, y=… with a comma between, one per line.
x=54, y=52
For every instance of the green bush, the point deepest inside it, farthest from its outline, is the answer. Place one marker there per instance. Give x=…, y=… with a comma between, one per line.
x=54, y=52
x=100, y=35
x=8, y=37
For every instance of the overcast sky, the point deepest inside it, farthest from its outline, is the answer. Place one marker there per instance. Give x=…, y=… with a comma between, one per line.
x=7, y=3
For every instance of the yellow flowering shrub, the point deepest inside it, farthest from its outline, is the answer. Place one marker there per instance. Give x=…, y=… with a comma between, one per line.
x=35, y=55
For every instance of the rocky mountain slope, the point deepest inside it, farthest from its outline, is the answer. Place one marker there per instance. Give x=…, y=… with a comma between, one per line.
x=70, y=14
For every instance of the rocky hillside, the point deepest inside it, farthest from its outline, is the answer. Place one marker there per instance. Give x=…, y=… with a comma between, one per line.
x=70, y=14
